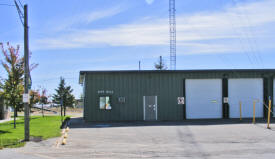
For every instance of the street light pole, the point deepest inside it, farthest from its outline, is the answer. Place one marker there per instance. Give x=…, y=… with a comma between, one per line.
x=26, y=71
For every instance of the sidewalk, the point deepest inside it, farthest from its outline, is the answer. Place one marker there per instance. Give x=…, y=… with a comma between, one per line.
x=2, y=121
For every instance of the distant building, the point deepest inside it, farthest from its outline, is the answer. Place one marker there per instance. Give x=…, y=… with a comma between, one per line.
x=79, y=103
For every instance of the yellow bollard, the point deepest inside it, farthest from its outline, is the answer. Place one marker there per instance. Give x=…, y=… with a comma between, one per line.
x=64, y=142
x=254, y=102
x=67, y=129
x=240, y=110
x=65, y=135
x=268, y=115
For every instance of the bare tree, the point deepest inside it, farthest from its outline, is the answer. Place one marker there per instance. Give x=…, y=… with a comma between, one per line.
x=160, y=65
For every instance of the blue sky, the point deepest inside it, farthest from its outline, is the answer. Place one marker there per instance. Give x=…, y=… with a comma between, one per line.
x=67, y=36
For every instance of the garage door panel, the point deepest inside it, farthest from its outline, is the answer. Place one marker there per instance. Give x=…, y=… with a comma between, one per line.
x=246, y=91
x=203, y=98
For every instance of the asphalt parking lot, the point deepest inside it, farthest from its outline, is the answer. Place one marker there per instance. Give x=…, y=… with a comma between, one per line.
x=192, y=139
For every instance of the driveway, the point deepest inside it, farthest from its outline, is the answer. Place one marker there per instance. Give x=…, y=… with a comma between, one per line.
x=190, y=139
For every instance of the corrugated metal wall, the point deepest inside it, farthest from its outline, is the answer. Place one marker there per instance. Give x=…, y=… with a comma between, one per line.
x=134, y=85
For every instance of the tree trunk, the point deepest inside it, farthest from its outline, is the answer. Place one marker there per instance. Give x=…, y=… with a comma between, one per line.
x=42, y=110
x=14, y=118
x=61, y=114
x=64, y=110
x=15, y=111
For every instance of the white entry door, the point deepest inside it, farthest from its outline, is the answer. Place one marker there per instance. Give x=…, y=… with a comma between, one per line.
x=203, y=98
x=150, y=108
x=245, y=90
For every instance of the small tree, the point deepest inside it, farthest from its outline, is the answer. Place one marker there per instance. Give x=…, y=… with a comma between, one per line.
x=160, y=65
x=43, y=99
x=64, y=96
x=34, y=97
x=13, y=85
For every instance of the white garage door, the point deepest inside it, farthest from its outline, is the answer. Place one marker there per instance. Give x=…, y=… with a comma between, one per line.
x=203, y=98
x=245, y=90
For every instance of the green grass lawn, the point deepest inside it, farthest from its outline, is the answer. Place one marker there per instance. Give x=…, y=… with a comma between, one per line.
x=46, y=127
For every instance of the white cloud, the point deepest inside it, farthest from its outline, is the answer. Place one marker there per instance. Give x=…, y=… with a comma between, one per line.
x=149, y=1
x=93, y=16
x=84, y=18
x=235, y=28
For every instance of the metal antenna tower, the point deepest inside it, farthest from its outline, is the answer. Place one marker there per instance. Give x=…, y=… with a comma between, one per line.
x=172, y=22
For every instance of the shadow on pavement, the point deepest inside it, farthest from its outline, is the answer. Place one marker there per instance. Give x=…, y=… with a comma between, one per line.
x=80, y=123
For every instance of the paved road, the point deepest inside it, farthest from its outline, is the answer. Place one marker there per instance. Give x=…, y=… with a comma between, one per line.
x=205, y=140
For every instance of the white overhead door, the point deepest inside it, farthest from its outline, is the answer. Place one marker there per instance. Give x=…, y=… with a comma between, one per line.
x=203, y=98
x=245, y=90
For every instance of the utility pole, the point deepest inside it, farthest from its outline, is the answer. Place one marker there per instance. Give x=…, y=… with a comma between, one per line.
x=160, y=61
x=138, y=65
x=26, y=71
x=26, y=67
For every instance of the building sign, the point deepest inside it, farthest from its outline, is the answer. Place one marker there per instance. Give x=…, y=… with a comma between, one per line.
x=105, y=92
x=180, y=100
x=225, y=100
x=26, y=98
x=121, y=99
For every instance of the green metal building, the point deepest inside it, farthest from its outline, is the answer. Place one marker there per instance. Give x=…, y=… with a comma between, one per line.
x=175, y=95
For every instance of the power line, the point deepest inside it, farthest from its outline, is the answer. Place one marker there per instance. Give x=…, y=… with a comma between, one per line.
x=248, y=35
x=245, y=35
x=254, y=40
x=3, y=4
x=20, y=4
x=241, y=43
x=224, y=59
x=50, y=79
x=21, y=15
